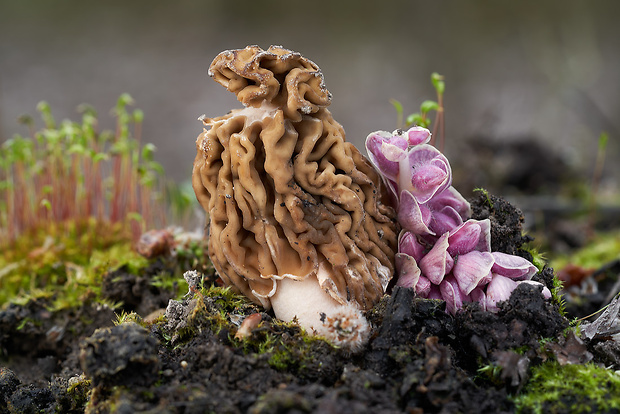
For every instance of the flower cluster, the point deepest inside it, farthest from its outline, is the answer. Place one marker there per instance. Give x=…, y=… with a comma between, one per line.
x=442, y=252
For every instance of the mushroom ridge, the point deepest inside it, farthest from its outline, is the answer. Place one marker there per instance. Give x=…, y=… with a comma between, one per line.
x=285, y=193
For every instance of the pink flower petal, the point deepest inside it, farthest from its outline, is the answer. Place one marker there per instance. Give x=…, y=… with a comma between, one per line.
x=478, y=295
x=407, y=270
x=484, y=244
x=499, y=289
x=450, y=197
x=464, y=238
x=445, y=220
x=374, y=144
x=471, y=235
x=545, y=291
x=434, y=293
x=412, y=216
x=408, y=243
x=422, y=157
x=514, y=267
x=427, y=179
x=418, y=135
x=423, y=287
x=437, y=262
x=393, y=152
x=471, y=268
x=485, y=280
x=451, y=293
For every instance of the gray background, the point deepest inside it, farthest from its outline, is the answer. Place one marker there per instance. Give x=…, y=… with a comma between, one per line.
x=513, y=69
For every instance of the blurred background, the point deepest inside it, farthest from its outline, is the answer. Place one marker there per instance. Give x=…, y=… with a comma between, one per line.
x=530, y=85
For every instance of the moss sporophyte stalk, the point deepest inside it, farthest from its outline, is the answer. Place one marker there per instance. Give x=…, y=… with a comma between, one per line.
x=73, y=199
x=66, y=174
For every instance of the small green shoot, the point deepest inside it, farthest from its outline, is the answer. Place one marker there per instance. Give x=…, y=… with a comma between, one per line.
x=399, y=112
x=485, y=193
x=126, y=317
x=491, y=372
x=596, y=180
x=421, y=118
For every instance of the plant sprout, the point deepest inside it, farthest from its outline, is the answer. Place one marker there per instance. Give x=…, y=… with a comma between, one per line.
x=421, y=118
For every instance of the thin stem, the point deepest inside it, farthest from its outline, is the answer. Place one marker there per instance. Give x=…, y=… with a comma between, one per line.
x=438, y=127
x=404, y=175
x=596, y=180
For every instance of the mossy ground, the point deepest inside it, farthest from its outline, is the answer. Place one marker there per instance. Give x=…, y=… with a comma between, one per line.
x=101, y=343
x=555, y=388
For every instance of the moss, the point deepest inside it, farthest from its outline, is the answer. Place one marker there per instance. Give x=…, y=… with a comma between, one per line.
x=225, y=300
x=72, y=200
x=219, y=304
x=211, y=308
x=126, y=317
x=285, y=346
x=485, y=193
x=555, y=388
x=604, y=248
x=289, y=348
x=538, y=259
x=170, y=282
x=65, y=265
x=193, y=255
x=77, y=395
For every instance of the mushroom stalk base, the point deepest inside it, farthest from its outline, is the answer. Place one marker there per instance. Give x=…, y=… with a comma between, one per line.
x=317, y=312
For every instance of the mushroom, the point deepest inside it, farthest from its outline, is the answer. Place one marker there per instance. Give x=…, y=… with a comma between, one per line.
x=299, y=218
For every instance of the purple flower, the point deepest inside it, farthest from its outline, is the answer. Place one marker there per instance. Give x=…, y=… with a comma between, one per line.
x=408, y=164
x=459, y=267
x=442, y=254
x=383, y=151
x=440, y=214
x=424, y=172
x=418, y=135
x=514, y=267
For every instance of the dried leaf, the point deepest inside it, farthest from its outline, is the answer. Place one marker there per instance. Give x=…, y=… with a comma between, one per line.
x=572, y=351
x=605, y=325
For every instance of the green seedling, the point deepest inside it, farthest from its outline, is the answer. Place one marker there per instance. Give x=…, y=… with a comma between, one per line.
x=421, y=118
x=596, y=180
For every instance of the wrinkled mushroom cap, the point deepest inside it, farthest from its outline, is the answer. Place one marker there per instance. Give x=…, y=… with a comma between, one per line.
x=284, y=192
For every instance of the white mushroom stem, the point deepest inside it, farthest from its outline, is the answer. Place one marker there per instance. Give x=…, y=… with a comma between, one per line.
x=318, y=313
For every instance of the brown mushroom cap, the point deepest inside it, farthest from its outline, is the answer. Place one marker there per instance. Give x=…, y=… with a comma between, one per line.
x=284, y=191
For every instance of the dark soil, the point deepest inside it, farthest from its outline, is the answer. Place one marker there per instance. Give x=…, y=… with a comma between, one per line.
x=506, y=223
x=419, y=359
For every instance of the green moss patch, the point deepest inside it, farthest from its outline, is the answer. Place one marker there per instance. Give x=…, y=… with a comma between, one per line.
x=604, y=248
x=555, y=388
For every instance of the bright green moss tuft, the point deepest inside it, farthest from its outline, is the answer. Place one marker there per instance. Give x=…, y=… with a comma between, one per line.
x=554, y=388
x=63, y=267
